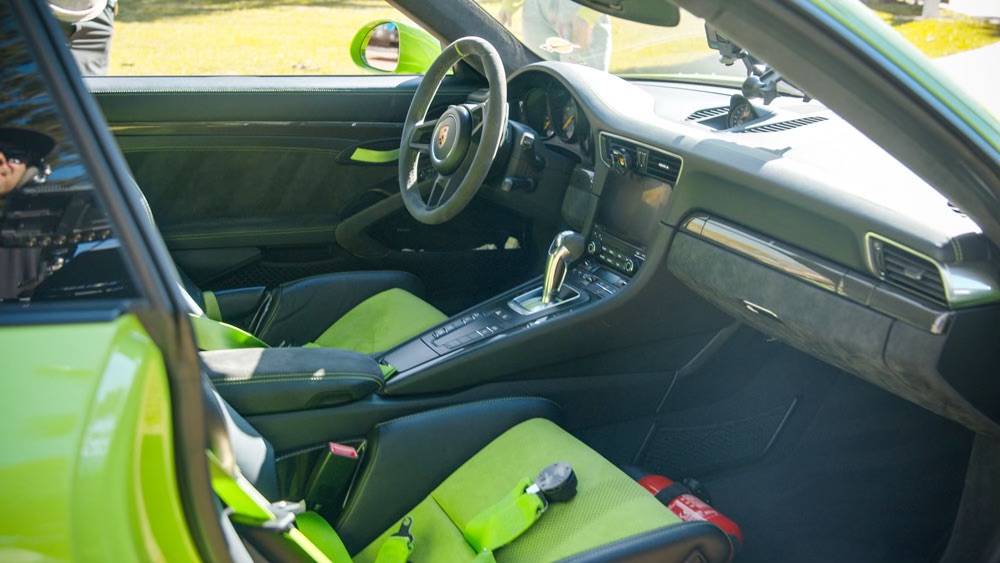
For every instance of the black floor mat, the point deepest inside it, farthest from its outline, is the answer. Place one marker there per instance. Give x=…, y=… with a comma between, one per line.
x=855, y=474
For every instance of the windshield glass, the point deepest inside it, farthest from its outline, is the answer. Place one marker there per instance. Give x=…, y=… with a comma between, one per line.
x=562, y=30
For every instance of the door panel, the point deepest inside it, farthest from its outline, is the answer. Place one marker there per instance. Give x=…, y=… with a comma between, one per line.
x=249, y=179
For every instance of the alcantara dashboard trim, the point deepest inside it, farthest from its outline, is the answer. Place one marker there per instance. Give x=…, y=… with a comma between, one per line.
x=820, y=273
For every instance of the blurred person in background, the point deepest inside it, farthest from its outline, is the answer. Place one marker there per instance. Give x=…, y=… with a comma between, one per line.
x=88, y=25
x=562, y=30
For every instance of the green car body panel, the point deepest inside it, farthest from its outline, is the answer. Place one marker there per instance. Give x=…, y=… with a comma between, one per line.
x=87, y=470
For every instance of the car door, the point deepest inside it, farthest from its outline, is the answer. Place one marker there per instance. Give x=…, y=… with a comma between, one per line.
x=84, y=398
x=259, y=180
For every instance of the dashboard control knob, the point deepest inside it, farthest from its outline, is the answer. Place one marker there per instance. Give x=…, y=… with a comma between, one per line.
x=629, y=265
x=593, y=246
x=620, y=161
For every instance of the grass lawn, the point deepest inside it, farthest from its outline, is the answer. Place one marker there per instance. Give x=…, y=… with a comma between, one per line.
x=277, y=37
x=949, y=34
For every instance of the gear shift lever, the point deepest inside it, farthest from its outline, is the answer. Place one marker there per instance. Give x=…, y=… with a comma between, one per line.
x=565, y=248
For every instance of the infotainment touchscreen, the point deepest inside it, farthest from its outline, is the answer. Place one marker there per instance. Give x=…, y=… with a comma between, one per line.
x=631, y=206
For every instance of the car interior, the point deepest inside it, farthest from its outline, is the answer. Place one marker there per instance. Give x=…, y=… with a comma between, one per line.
x=634, y=277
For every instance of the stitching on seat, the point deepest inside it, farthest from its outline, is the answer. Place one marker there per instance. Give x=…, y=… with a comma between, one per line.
x=214, y=375
x=286, y=380
x=294, y=453
x=461, y=405
x=273, y=312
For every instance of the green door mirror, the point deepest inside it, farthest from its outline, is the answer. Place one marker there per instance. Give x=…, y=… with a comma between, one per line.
x=391, y=46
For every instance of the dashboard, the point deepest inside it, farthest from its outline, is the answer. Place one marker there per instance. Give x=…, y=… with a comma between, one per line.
x=783, y=216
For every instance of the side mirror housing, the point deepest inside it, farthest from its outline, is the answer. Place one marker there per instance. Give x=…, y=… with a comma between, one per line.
x=393, y=47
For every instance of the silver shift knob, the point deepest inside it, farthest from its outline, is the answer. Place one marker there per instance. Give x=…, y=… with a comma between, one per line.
x=565, y=248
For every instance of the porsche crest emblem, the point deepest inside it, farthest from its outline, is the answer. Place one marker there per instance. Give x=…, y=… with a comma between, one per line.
x=442, y=135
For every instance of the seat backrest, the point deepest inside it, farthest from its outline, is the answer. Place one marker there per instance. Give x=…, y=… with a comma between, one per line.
x=252, y=453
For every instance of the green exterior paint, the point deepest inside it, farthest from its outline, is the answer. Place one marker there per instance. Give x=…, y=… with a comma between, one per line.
x=417, y=48
x=87, y=469
x=876, y=34
x=374, y=157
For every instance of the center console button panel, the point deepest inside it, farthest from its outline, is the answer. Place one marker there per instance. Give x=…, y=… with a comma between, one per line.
x=612, y=251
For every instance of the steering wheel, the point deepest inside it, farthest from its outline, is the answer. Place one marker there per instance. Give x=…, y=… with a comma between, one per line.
x=461, y=144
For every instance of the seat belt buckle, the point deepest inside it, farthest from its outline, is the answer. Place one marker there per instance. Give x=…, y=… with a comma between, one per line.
x=555, y=483
x=331, y=478
x=404, y=530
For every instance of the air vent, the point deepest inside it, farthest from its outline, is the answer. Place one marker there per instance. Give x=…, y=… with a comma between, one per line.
x=908, y=271
x=663, y=166
x=783, y=125
x=955, y=208
x=706, y=113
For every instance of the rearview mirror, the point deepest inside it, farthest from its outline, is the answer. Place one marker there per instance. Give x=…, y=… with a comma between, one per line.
x=394, y=47
x=652, y=12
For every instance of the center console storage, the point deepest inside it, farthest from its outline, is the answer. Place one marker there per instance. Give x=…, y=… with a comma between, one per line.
x=269, y=380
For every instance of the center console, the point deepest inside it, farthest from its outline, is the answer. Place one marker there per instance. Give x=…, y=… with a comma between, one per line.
x=579, y=272
x=507, y=314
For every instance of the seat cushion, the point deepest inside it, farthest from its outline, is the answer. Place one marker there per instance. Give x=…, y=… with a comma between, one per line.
x=608, y=507
x=381, y=322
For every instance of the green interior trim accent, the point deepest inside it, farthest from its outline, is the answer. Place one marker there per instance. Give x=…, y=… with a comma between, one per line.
x=503, y=522
x=387, y=371
x=381, y=322
x=212, y=310
x=374, y=157
x=217, y=335
x=322, y=535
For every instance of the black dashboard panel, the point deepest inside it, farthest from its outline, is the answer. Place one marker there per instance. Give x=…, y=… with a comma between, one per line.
x=848, y=255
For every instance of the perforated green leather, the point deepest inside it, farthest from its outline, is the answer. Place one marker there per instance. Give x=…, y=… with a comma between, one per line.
x=381, y=322
x=608, y=506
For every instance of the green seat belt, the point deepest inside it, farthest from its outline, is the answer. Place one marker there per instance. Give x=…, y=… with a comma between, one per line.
x=501, y=523
x=314, y=536
x=216, y=335
x=507, y=519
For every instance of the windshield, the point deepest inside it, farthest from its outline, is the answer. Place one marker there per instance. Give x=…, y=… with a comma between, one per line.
x=562, y=30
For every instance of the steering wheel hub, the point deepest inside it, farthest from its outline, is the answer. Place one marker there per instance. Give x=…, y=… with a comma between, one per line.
x=451, y=139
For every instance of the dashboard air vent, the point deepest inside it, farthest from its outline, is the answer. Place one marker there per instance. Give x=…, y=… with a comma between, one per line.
x=783, y=125
x=663, y=167
x=706, y=113
x=908, y=271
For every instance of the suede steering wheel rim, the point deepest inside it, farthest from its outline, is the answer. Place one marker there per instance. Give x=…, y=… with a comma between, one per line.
x=461, y=144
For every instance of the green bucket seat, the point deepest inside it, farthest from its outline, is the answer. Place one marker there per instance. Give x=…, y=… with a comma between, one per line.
x=439, y=469
x=362, y=311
